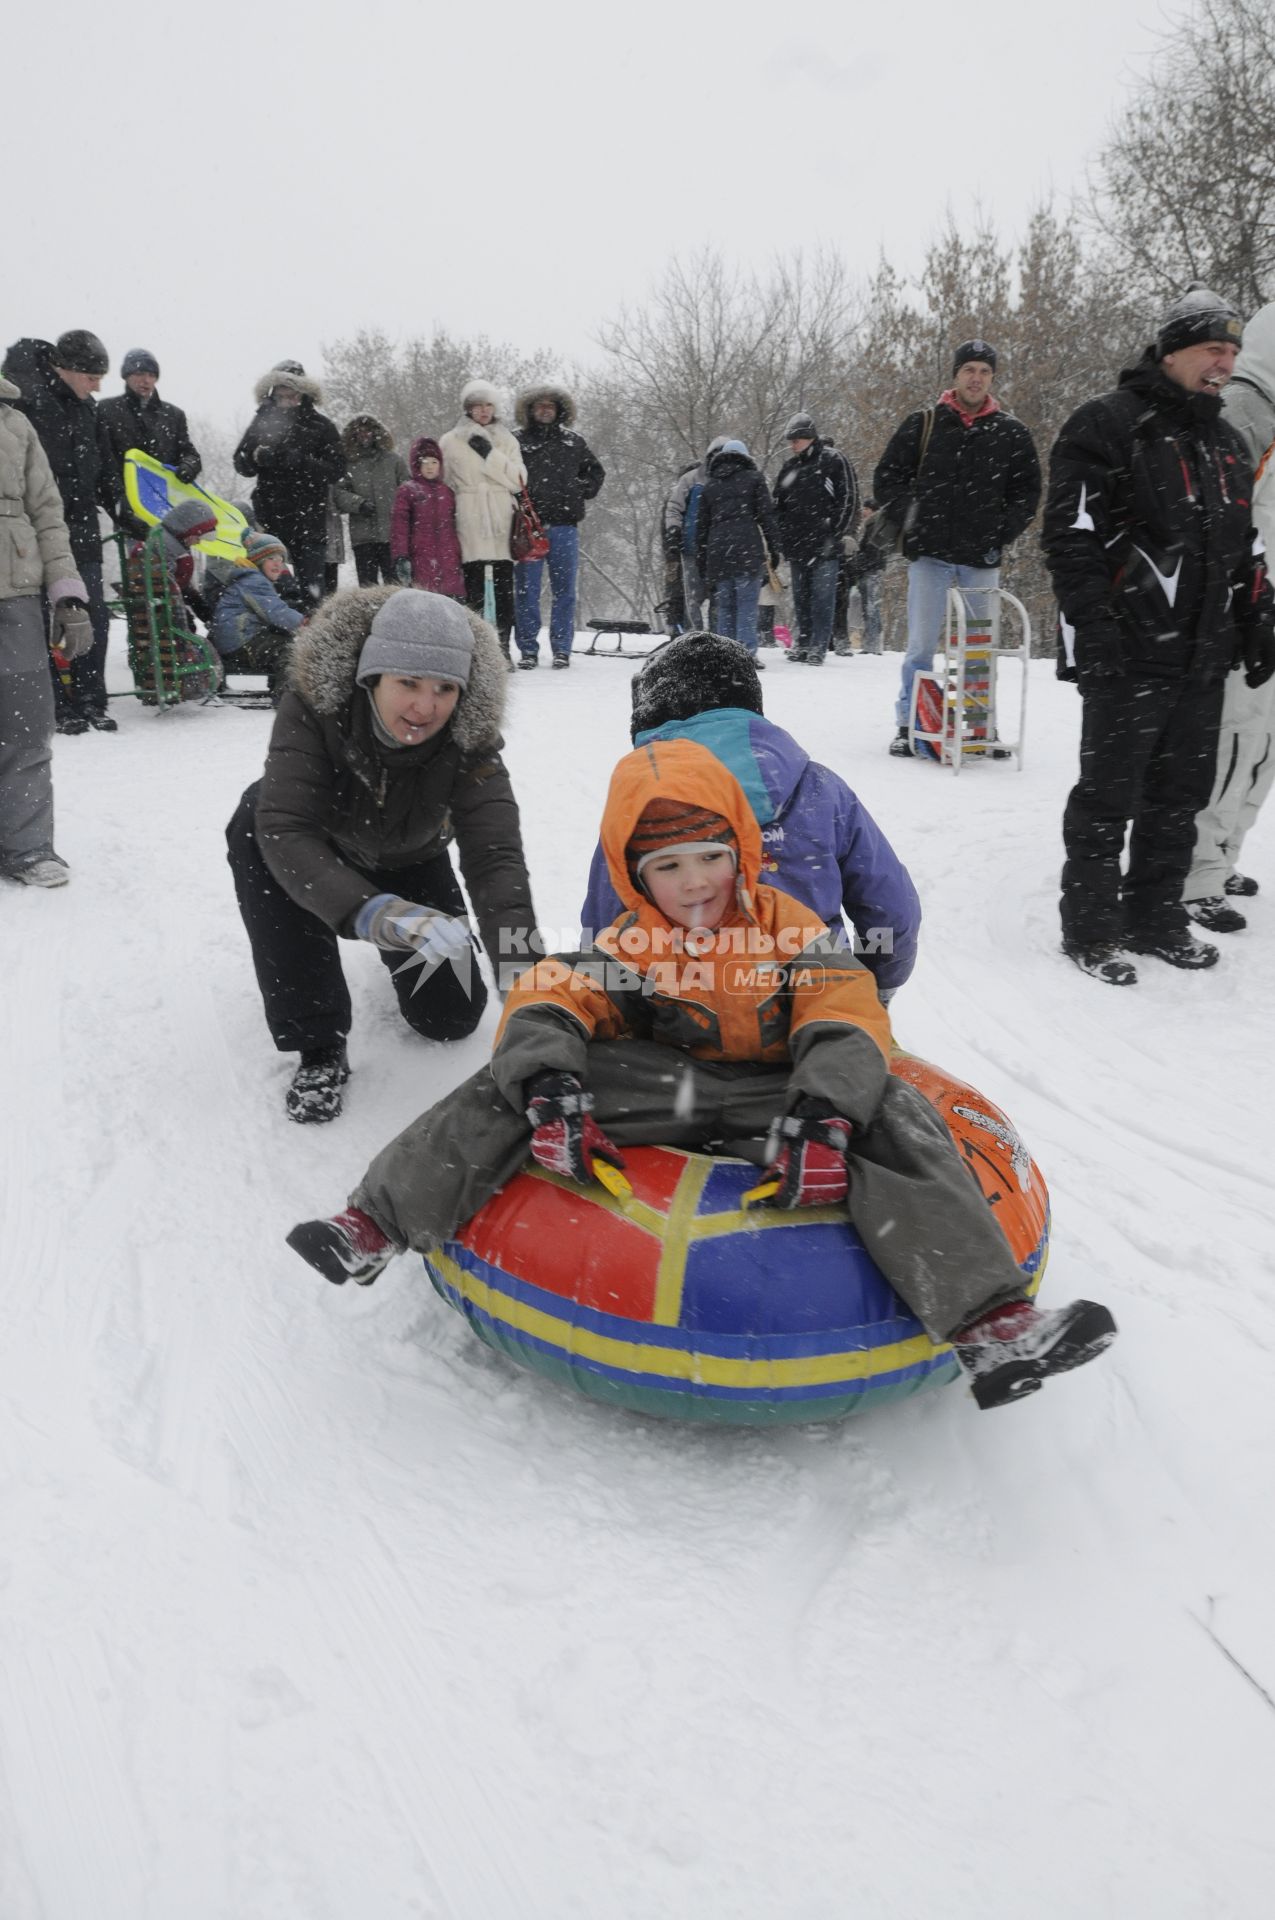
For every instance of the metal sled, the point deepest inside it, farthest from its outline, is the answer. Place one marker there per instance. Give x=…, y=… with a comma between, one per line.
x=169, y=663
x=601, y=628
x=954, y=714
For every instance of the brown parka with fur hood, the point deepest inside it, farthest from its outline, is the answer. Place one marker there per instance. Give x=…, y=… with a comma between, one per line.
x=334, y=800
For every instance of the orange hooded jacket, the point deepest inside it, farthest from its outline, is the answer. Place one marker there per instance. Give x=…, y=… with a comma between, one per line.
x=766, y=984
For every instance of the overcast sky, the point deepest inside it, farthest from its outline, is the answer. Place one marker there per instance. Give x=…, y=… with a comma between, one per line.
x=231, y=186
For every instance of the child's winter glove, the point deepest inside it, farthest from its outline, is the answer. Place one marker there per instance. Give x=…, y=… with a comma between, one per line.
x=388, y=921
x=566, y=1139
x=810, y=1165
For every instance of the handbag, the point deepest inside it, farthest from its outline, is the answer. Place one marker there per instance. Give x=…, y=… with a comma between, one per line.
x=527, y=538
x=892, y=523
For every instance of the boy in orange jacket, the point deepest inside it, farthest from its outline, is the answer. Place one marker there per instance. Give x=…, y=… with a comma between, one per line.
x=715, y=1012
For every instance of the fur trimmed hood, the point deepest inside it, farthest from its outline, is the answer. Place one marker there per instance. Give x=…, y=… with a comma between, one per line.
x=288, y=373
x=383, y=443
x=8, y=391
x=546, y=390
x=479, y=393
x=325, y=659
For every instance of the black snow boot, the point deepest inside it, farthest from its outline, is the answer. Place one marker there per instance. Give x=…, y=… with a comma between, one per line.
x=901, y=746
x=1013, y=1350
x=1241, y=883
x=315, y=1093
x=1213, y=912
x=349, y=1246
x=1105, y=962
x=1177, y=949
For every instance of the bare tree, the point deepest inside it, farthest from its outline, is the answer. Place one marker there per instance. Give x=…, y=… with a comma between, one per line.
x=1185, y=187
x=414, y=387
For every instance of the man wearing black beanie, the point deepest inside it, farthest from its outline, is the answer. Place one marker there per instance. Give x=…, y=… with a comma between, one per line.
x=57, y=382
x=1161, y=588
x=960, y=480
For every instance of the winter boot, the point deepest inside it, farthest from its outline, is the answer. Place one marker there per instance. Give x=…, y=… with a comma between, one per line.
x=350, y=1246
x=42, y=869
x=1012, y=1350
x=1242, y=884
x=901, y=746
x=1177, y=949
x=72, y=723
x=315, y=1093
x=528, y=662
x=102, y=722
x=562, y=659
x=798, y=657
x=1212, y=912
x=1105, y=962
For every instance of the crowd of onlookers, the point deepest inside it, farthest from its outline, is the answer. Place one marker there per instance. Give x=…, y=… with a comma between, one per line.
x=1157, y=494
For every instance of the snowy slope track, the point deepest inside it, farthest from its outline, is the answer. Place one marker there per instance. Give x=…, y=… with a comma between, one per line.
x=311, y=1607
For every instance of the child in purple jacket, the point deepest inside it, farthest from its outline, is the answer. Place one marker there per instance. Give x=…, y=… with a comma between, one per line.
x=820, y=844
x=423, y=543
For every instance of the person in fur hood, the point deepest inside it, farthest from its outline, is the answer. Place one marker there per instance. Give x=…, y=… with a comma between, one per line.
x=294, y=453
x=482, y=464
x=562, y=477
x=386, y=748
x=373, y=475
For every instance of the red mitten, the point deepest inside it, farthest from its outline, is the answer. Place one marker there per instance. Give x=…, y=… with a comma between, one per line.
x=811, y=1163
x=566, y=1139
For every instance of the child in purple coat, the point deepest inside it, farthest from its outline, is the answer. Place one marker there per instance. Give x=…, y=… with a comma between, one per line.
x=423, y=542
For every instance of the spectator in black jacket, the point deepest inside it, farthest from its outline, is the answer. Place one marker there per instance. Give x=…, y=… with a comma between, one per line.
x=817, y=498
x=57, y=383
x=735, y=528
x=1161, y=588
x=295, y=454
x=139, y=418
x=562, y=477
x=962, y=480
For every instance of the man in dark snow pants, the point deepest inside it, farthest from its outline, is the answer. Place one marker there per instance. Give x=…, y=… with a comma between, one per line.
x=1161, y=587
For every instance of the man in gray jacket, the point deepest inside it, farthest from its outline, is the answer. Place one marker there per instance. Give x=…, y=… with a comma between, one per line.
x=681, y=514
x=36, y=555
x=1246, y=744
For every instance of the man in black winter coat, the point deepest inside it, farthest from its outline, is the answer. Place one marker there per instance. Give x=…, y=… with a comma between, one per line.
x=962, y=481
x=295, y=454
x=817, y=500
x=139, y=418
x=562, y=477
x=58, y=383
x=736, y=530
x=1161, y=588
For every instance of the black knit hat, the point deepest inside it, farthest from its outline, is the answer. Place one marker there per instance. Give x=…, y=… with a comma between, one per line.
x=80, y=351
x=801, y=427
x=973, y=350
x=690, y=675
x=138, y=360
x=1198, y=315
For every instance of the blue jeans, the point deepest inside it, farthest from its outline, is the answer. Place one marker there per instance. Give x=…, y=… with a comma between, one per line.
x=814, y=599
x=928, y=583
x=869, y=592
x=564, y=559
x=734, y=609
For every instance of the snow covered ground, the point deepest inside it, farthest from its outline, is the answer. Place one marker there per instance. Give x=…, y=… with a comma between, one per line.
x=313, y=1609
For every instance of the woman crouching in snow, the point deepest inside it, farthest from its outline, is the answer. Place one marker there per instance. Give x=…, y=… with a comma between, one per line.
x=385, y=748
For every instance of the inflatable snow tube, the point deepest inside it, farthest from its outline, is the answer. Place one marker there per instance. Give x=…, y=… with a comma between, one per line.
x=678, y=1303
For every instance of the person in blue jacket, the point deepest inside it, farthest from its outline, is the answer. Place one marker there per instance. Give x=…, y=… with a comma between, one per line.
x=820, y=844
x=253, y=622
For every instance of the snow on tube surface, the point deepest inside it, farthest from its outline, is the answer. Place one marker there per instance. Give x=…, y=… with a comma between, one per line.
x=676, y=1302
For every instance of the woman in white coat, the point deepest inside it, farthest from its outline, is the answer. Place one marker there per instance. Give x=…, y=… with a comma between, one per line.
x=482, y=464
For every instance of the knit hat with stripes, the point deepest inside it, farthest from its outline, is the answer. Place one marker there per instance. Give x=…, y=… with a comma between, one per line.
x=667, y=823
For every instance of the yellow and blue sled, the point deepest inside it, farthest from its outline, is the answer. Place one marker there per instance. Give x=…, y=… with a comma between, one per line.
x=153, y=490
